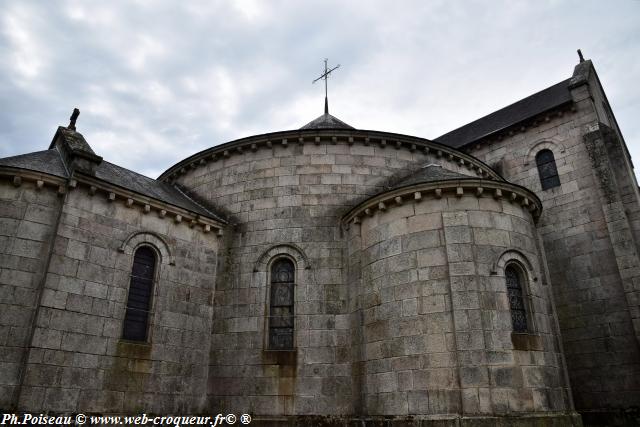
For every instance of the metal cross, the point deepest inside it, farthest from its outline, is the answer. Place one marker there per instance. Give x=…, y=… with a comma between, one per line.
x=325, y=76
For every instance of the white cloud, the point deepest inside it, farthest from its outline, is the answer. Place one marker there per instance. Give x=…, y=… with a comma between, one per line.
x=157, y=81
x=250, y=9
x=27, y=57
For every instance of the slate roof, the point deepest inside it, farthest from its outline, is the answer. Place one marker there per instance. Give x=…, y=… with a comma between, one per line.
x=327, y=121
x=149, y=187
x=530, y=106
x=50, y=162
x=430, y=173
x=47, y=161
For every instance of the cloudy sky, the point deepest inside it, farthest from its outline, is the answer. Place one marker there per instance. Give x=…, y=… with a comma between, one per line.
x=157, y=81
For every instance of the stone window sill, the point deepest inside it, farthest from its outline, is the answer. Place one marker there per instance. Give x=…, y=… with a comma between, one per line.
x=134, y=349
x=280, y=357
x=526, y=341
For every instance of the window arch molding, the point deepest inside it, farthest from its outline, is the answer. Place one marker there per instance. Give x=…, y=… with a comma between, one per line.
x=289, y=249
x=149, y=238
x=514, y=255
x=517, y=260
x=552, y=144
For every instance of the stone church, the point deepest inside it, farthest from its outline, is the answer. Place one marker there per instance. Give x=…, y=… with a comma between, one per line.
x=330, y=275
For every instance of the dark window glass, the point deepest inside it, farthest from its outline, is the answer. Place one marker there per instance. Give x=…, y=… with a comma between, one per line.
x=516, y=300
x=547, y=169
x=139, y=300
x=281, y=305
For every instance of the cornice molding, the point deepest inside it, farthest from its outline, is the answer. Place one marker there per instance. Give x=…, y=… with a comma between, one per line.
x=450, y=188
x=113, y=193
x=384, y=140
x=42, y=180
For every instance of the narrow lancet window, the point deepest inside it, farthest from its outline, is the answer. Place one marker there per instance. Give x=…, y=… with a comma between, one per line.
x=136, y=318
x=547, y=169
x=516, y=299
x=281, y=305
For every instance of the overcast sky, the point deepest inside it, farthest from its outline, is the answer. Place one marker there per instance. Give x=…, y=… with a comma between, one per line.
x=157, y=81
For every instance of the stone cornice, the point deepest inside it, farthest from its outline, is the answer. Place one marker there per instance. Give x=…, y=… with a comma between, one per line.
x=148, y=204
x=329, y=136
x=113, y=193
x=450, y=188
x=42, y=180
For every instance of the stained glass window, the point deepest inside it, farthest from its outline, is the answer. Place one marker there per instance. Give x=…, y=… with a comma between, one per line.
x=516, y=299
x=139, y=299
x=547, y=169
x=281, y=305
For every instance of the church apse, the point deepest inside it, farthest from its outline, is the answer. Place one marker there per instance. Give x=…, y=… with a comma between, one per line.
x=330, y=275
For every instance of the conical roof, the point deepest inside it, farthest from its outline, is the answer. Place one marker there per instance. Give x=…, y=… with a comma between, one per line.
x=430, y=173
x=327, y=121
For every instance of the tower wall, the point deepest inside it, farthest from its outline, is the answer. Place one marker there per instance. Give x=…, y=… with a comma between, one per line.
x=77, y=359
x=437, y=336
x=288, y=199
x=27, y=222
x=589, y=226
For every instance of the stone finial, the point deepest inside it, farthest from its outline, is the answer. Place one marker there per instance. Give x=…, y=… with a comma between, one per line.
x=75, y=151
x=580, y=55
x=73, y=118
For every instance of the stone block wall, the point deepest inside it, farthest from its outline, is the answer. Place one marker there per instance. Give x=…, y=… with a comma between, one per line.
x=77, y=359
x=288, y=197
x=27, y=222
x=595, y=315
x=437, y=337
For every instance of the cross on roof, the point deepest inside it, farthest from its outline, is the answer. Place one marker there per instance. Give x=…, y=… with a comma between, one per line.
x=325, y=76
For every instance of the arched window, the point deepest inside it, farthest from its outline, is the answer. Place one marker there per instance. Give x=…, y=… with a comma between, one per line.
x=281, y=305
x=139, y=300
x=514, y=278
x=547, y=169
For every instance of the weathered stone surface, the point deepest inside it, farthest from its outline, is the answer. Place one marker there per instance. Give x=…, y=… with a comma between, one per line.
x=578, y=225
x=401, y=317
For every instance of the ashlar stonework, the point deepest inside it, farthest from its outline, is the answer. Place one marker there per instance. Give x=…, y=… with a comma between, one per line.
x=330, y=275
